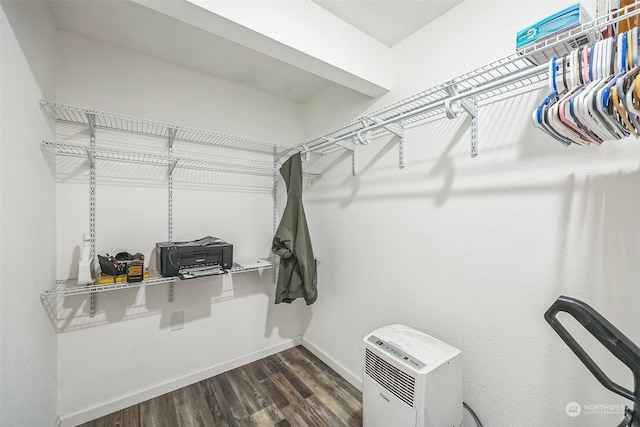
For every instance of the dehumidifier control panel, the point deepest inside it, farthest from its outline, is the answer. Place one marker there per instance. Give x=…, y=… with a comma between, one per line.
x=396, y=352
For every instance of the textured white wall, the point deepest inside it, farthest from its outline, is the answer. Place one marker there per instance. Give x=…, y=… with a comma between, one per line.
x=127, y=351
x=473, y=251
x=28, y=344
x=109, y=78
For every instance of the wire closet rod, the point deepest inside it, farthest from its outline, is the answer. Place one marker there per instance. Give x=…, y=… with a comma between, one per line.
x=432, y=106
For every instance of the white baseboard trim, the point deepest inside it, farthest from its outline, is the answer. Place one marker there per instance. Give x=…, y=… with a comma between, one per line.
x=86, y=415
x=345, y=373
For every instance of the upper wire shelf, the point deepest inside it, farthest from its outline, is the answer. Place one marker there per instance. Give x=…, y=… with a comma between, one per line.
x=77, y=115
x=77, y=150
x=506, y=75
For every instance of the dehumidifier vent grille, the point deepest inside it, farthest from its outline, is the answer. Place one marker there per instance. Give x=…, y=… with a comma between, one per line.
x=399, y=383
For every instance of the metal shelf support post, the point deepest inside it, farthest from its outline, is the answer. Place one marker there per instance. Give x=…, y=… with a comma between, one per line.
x=398, y=130
x=354, y=160
x=351, y=146
x=172, y=166
x=471, y=106
x=91, y=119
x=275, y=209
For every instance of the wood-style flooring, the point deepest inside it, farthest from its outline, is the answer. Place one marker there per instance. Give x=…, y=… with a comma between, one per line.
x=291, y=388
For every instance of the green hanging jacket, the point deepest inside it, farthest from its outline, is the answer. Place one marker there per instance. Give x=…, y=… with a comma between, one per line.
x=297, y=277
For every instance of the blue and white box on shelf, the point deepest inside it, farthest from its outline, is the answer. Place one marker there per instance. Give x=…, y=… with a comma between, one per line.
x=566, y=19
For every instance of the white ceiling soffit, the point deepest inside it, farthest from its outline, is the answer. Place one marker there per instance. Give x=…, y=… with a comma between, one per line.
x=388, y=21
x=297, y=32
x=293, y=49
x=138, y=28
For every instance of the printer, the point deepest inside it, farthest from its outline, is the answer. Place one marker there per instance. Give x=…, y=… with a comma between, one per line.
x=205, y=254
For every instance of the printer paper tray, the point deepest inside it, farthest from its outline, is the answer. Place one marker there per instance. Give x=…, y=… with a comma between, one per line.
x=192, y=273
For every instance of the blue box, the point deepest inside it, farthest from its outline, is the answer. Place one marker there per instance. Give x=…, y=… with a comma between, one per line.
x=564, y=20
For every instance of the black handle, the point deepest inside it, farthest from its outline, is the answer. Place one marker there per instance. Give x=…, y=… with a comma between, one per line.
x=607, y=334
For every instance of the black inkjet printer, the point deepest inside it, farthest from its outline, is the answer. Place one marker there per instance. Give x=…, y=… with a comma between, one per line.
x=174, y=257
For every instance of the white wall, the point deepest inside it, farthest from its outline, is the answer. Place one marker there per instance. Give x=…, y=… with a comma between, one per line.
x=28, y=344
x=127, y=352
x=473, y=251
x=105, y=77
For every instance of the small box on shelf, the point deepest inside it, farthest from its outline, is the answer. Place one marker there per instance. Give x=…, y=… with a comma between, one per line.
x=105, y=279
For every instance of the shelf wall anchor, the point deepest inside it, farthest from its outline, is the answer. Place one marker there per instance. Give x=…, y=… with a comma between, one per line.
x=305, y=156
x=451, y=110
x=364, y=140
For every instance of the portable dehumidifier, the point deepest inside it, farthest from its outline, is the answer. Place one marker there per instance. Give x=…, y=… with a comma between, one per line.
x=410, y=379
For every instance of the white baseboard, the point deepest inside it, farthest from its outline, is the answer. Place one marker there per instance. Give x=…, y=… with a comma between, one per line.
x=355, y=380
x=86, y=415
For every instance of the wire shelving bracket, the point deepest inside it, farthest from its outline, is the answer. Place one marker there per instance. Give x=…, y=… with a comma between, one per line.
x=354, y=160
x=470, y=105
x=398, y=130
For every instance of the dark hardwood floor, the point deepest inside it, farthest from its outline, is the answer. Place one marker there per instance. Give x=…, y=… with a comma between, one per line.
x=292, y=388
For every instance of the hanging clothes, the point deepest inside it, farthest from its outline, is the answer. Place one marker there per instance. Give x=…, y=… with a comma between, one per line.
x=297, y=276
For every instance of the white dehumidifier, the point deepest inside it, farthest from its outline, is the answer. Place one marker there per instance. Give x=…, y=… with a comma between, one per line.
x=410, y=379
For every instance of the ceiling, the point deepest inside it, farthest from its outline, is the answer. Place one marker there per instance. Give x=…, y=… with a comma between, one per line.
x=388, y=21
x=135, y=27
x=164, y=34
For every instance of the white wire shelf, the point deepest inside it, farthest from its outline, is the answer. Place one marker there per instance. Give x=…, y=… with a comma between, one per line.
x=78, y=150
x=431, y=102
x=507, y=75
x=78, y=115
x=70, y=287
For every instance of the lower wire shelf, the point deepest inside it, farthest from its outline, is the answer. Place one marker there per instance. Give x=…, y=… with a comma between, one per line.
x=70, y=287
